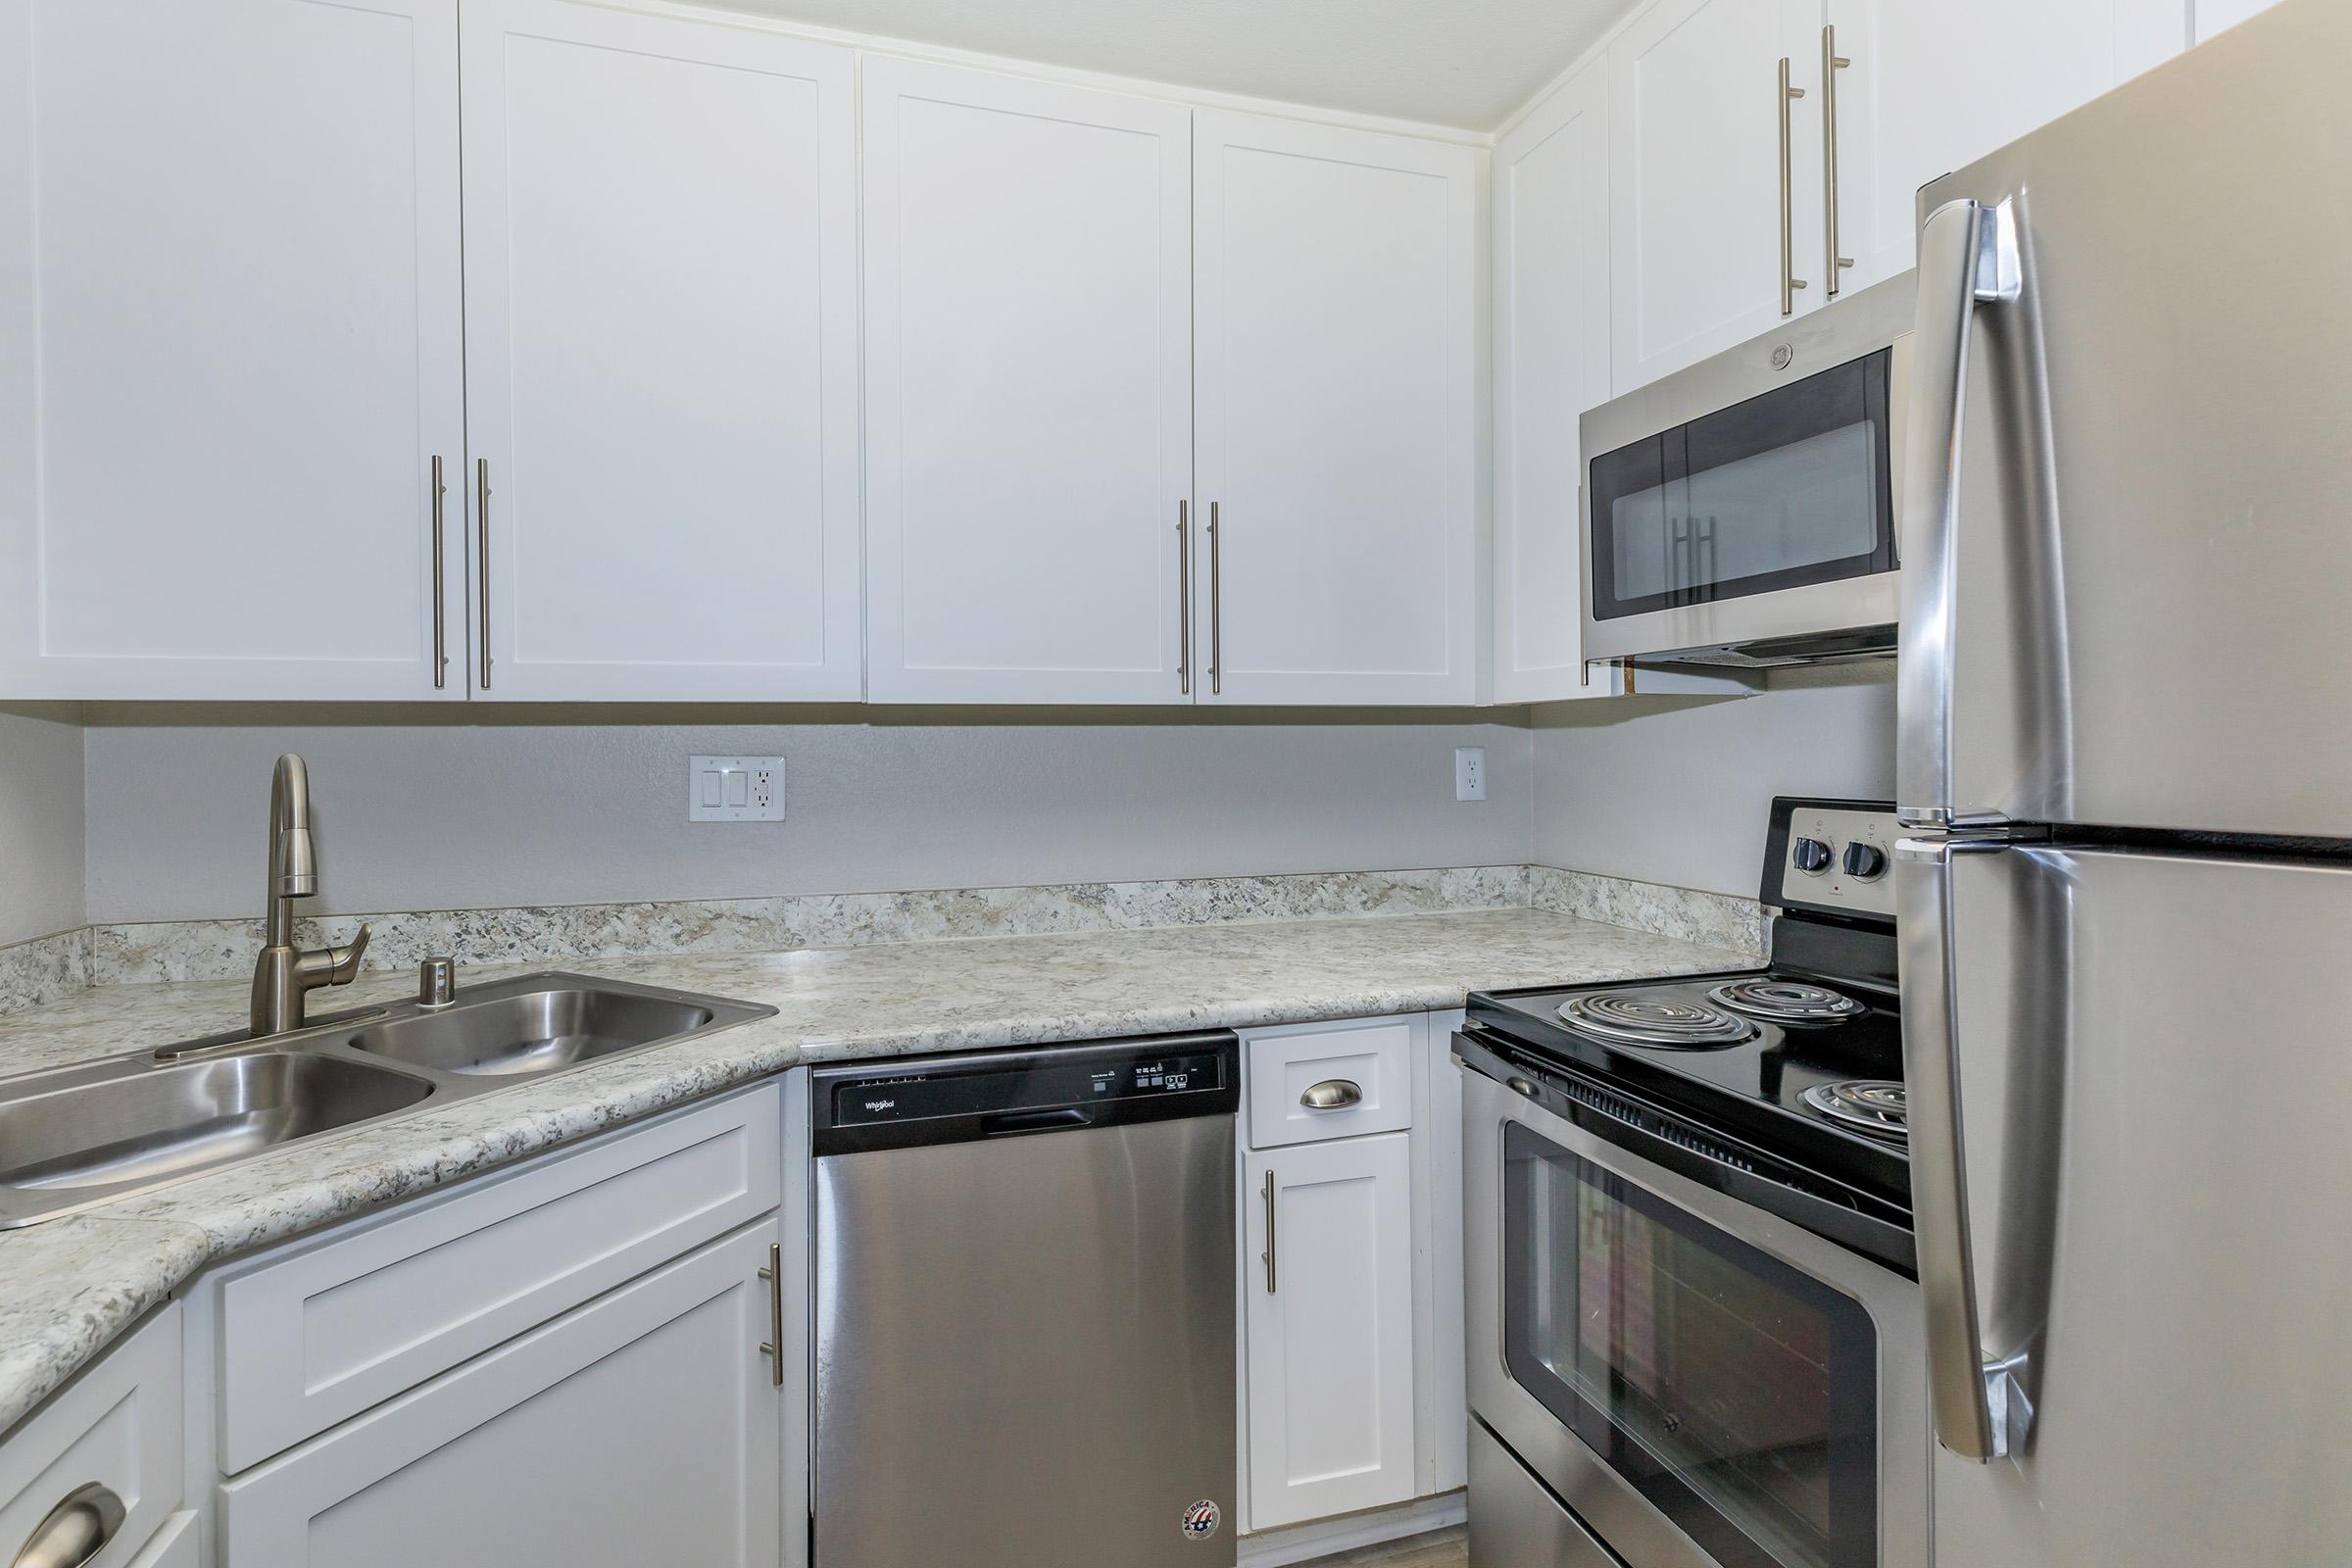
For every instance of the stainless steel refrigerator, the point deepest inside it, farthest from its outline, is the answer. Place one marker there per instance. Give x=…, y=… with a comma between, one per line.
x=2125, y=756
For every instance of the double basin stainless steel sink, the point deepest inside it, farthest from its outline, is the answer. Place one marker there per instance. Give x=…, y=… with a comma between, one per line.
x=74, y=1137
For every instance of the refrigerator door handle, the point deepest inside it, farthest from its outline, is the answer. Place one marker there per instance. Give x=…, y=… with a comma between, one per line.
x=1963, y=1386
x=1968, y=256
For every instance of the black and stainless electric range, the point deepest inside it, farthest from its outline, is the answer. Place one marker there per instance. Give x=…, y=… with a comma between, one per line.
x=1694, y=1318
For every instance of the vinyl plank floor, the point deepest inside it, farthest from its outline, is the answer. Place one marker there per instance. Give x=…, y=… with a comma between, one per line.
x=1440, y=1549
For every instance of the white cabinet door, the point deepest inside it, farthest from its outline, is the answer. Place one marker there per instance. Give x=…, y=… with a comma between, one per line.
x=1933, y=87
x=1552, y=362
x=2219, y=16
x=1335, y=355
x=660, y=349
x=1029, y=388
x=1329, y=1311
x=641, y=1428
x=1695, y=193
x=230, y=348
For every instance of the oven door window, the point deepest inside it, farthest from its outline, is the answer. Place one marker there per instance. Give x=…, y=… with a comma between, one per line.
x=1786, y=489
x=1734, y=1393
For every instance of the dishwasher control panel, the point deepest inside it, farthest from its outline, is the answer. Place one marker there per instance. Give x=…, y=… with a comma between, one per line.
x=1021, y=1092
x=910, y=1097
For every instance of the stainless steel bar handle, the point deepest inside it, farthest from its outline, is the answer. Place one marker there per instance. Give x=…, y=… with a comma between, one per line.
x=440, y=616
x=1216, y=605
x=481, y=545
x=1947, y=1280
x=1968, y=256
x=1832, y=63
x=1790, y=281
x=1267, y=1256
x=74, y=1532
x=1184, y=597
x=774, y=1349
x=1333, y=1094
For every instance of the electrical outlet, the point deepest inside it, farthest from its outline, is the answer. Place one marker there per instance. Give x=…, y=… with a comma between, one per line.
x=735, y=789
x=1469, y=772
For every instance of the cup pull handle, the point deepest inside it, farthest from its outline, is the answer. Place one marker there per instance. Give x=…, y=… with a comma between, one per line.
x=75, y=1530
x=1333, y=1094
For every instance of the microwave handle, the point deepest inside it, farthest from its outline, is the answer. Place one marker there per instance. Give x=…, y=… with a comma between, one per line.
x=1968, y=257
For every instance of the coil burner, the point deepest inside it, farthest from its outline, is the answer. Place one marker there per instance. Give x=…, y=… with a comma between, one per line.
x=1869, y=1105
x=1623, y=1018
x=1787, y=1002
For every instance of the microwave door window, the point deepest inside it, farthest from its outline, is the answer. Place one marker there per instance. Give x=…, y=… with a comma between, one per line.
x=1781, y=491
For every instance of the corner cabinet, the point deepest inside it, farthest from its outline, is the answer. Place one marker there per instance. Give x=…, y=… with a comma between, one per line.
x=661, y=358
x=231, y=350
x=640, y=1428
x=1337, y=356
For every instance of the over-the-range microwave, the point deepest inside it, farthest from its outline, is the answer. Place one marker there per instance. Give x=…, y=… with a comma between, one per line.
x=1742, y=511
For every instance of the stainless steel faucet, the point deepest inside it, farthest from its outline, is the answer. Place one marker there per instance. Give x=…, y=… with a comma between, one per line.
x=283, y=975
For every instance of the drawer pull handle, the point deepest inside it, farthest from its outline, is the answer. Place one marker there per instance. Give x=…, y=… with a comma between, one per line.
x=75, y=1530
x=1333, y=1094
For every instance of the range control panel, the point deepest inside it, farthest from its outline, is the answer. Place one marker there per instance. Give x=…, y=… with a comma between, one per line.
x=1834, y=855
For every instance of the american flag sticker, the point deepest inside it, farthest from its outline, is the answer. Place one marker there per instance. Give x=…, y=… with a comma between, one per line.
x=1201, y=1520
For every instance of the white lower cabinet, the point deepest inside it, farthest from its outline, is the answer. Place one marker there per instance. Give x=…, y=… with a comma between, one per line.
x=640, y=1428
x=1329, y=1313
x=107, y=1445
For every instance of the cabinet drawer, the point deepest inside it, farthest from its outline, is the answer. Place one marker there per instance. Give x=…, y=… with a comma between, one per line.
x=116, y=1427
x=313, y=1339
x=1365, y=1067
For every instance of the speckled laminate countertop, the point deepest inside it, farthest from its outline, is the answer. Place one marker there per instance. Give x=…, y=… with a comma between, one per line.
x=70, y=1286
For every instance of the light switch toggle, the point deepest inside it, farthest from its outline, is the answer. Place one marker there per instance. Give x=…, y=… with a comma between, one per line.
x=735, y=789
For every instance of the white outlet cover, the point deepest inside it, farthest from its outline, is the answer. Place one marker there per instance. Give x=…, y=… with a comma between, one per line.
x=735, y=789
x=1469, y=772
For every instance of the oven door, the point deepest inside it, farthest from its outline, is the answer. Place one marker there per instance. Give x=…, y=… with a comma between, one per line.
x=1703, y=1383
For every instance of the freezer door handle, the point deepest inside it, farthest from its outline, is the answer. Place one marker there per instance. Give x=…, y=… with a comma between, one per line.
x=1961, y=1381
x=1968, y=257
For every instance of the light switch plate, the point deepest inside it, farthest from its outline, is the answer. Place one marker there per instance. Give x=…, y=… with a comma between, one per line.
x=735, y=789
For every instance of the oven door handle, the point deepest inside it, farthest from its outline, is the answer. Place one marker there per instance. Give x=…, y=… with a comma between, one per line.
x=1968, y=257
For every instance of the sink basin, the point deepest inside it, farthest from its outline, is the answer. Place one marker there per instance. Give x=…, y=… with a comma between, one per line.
x=73, y=1138
x=157, y=1123
x=532, y=1031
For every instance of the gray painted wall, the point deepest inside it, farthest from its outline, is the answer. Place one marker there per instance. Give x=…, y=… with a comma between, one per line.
x=41, y=828
x=1675, y=789
x=441, y=815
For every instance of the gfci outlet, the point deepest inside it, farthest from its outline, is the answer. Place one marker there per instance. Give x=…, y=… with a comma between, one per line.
x=735, y=789
x=1469, y=772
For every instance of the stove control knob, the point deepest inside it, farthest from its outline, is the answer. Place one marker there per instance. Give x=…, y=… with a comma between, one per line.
x=1865, y=861
x=1812, y=856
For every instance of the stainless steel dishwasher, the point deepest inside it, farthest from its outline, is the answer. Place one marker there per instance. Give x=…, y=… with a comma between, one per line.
x=1025, y=1308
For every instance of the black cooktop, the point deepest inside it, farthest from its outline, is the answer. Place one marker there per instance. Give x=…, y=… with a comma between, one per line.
x=1754, y=1087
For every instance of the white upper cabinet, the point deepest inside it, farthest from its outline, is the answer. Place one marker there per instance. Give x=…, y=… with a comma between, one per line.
x=1336, y=323
x=1698, y=202
x=2219, y=16
x=662, y=341
x=1933, y=87
x=1552, y=362
x=230, y=348
x=1029, y=388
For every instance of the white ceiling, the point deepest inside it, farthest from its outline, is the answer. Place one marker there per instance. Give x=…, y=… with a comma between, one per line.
x=1461, y=63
